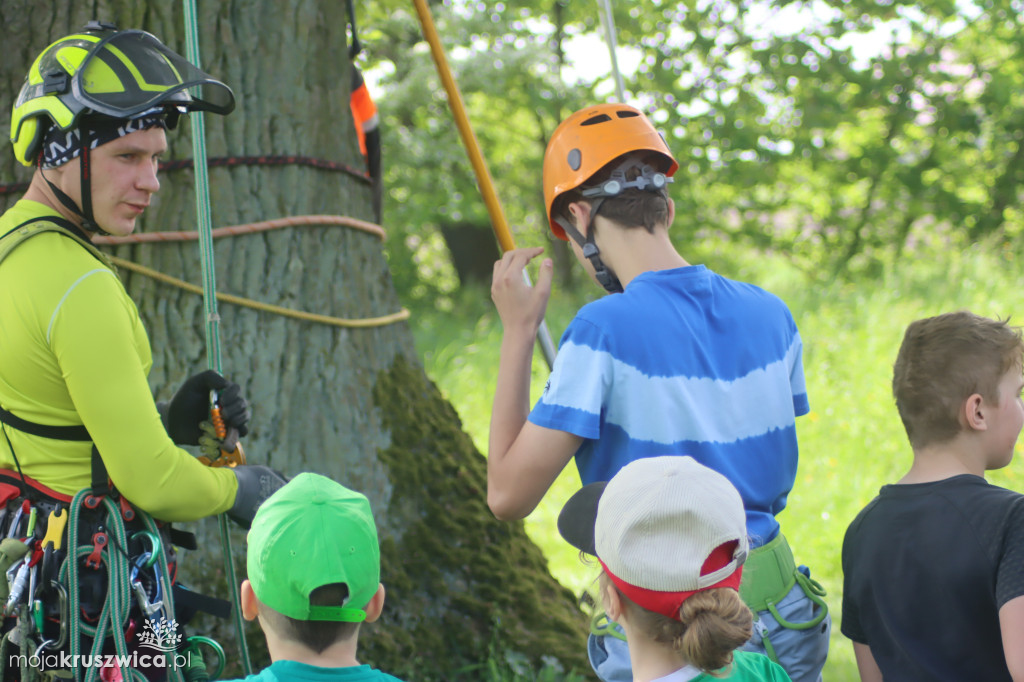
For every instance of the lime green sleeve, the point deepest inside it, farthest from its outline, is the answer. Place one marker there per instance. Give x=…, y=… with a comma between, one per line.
x=104, y=355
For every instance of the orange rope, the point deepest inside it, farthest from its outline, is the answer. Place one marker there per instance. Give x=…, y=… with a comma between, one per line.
x=248, y=228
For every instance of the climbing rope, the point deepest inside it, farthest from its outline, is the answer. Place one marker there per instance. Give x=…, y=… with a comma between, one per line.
x=254, y=228
x=110, y=551
x=231, y=161
x=247, y=228
x=204, y=223
x=403, y=314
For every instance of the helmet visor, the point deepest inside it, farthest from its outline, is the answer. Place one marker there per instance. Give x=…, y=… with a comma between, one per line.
x=131, y=71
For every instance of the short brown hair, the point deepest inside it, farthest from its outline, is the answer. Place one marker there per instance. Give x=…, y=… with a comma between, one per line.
x=632, y=208
x=317, y=635
x=944, y=360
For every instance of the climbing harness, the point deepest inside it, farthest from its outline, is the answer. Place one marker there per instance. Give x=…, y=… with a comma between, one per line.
x=51, y=603
x=768, y=576
x=90, y=578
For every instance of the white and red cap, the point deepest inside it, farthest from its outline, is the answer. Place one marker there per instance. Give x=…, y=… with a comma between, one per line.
x=663, y=528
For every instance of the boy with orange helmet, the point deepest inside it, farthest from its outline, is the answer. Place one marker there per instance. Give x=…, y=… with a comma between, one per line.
x=677, y=360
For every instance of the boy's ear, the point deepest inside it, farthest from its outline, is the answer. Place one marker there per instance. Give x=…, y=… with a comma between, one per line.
x=376, y=604
x=973, y=413
x=250, y=605
x=580, y=212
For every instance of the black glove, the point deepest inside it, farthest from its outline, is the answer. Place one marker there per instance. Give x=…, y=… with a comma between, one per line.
x=191, y=405
x=256, y=483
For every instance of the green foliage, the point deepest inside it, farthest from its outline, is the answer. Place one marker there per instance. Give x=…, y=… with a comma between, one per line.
x=838, y=134
x=851, y=443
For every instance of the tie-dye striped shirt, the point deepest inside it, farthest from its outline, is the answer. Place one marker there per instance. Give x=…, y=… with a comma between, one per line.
x=685, y=362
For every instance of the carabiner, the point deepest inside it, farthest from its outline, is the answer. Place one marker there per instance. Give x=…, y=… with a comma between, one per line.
x=154, y=546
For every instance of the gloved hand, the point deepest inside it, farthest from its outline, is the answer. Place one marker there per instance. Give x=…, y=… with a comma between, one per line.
x=191, y=405
x=209, y=444
x=256, y=482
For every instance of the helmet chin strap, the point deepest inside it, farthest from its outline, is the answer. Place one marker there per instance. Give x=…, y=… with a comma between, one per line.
x=89, y=223
x=648, y=180
x=602, y=272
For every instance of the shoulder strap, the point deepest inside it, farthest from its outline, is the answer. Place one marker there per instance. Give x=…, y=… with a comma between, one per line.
x=9, y=241
x=14, y=237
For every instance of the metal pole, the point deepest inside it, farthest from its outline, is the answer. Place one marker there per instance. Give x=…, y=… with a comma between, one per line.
x=609, y=33
x=483, y=176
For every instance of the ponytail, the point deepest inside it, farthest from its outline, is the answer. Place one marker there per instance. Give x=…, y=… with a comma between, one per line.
x=711, y=625
x=714, y=623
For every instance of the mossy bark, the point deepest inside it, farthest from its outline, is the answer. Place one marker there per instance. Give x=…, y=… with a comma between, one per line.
x=353, y=404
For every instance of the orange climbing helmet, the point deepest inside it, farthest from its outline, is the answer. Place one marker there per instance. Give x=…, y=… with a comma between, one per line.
x=588, y=141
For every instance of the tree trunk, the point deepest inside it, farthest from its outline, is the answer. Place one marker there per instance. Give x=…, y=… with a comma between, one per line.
x=473, y=251
x=353, y=404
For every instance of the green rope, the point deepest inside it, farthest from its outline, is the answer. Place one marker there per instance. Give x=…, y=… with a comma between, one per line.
x=117, y=604
x=205, y=228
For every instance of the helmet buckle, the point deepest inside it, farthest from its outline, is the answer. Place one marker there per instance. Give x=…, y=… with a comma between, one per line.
x=648, y=180
x=56, y=82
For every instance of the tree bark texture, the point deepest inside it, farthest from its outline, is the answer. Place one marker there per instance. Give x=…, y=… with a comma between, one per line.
x=353, y=404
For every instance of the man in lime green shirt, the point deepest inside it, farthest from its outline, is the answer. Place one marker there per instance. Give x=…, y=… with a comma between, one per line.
x=91, y=117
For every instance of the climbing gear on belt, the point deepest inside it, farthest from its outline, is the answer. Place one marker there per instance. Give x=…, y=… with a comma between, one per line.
x=769, y=575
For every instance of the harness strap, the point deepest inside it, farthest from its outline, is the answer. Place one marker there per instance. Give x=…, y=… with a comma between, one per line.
x=74, y=433
x=215, y=606
x=78, y=433
x=769, y=576
x=34, y=226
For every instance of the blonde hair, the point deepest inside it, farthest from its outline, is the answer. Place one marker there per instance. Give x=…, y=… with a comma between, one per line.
x=711, y=625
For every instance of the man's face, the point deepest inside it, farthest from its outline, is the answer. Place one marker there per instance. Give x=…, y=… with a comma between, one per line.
x=123, y=178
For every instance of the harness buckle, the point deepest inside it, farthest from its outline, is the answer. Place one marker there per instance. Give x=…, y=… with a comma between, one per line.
x=126, y=509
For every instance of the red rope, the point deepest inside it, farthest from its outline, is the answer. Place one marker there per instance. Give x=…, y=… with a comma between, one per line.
x=219, y=161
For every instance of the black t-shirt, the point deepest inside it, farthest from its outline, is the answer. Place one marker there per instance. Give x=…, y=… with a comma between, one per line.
x=926, y=568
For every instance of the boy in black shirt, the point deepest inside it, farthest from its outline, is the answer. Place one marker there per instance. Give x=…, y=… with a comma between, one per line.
x=934, y=566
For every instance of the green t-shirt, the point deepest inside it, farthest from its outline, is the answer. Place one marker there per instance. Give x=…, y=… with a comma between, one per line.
x=292, y=671
x=746, y=667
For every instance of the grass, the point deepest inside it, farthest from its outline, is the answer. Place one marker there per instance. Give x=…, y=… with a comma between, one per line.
x=851, y=443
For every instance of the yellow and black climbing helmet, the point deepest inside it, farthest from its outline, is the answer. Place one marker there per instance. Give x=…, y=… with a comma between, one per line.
x=111, y=73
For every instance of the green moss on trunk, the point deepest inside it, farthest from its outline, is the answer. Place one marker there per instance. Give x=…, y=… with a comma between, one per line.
x=461, y=585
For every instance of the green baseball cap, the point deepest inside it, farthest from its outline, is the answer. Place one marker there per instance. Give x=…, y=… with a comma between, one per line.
x=310, y=533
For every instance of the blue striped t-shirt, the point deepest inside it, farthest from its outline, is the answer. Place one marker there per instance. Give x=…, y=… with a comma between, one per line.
x=685, y=362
